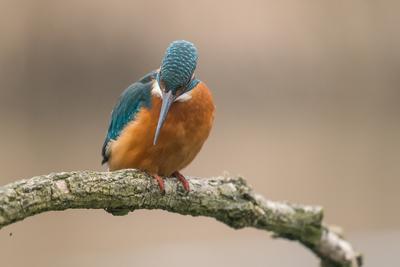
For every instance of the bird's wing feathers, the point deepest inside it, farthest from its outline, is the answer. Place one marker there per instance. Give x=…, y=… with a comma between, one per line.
x=135, y=97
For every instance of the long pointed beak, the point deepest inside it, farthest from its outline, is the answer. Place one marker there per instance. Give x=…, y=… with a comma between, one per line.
x=167, y=100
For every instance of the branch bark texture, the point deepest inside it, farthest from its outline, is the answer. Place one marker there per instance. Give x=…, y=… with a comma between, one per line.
x=229, y=200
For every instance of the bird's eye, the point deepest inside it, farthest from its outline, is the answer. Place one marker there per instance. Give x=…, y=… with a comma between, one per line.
x=162, y=85
x=180, y=90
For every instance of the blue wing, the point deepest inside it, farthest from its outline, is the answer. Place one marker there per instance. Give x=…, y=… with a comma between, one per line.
x=135, y=97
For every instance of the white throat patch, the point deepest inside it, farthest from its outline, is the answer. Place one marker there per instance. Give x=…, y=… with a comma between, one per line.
x=184, y=97
x=156, y=91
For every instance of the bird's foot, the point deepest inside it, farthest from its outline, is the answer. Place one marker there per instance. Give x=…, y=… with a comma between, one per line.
x=160, y=182
x=182, y=179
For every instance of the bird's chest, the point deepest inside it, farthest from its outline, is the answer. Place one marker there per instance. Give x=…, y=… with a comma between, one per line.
x=186, y=127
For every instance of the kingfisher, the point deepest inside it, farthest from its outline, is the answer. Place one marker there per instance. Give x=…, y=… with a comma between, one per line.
x=160, y=122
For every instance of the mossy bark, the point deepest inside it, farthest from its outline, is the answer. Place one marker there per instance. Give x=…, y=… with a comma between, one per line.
x=229, y=200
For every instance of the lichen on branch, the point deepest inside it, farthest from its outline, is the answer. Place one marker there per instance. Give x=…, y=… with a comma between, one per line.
x=229, y=200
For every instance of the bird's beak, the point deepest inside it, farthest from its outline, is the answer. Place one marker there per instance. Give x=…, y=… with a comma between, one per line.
x=167, y=100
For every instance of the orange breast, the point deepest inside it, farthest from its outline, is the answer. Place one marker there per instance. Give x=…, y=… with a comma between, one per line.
x=186, y=127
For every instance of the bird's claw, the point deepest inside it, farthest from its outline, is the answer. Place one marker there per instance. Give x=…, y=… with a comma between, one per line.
x=160, y=182
x=183, y=180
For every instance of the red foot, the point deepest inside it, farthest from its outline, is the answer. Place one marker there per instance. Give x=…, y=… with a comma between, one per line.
x=182, y=179
x=160, y=182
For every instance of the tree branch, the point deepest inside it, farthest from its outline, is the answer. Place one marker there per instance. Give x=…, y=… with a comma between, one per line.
x=229, y=200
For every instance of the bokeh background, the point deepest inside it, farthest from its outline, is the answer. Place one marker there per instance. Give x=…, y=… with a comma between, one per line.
x=308, y=105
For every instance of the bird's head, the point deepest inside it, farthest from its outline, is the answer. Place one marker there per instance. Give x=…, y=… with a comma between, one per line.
x=176, y=76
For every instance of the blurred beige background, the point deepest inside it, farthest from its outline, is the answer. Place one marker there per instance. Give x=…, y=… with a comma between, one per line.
x=308, y=105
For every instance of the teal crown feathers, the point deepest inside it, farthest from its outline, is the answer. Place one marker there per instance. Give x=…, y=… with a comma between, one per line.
x=178, y=65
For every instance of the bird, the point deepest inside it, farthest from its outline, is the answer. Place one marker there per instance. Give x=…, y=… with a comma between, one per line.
x=160, y=123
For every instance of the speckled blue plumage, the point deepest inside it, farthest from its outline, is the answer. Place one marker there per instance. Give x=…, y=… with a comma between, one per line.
x=134, y=97
x=178, y=65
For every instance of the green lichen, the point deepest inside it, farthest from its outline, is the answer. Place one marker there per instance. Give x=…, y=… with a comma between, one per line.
x=229, y=200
